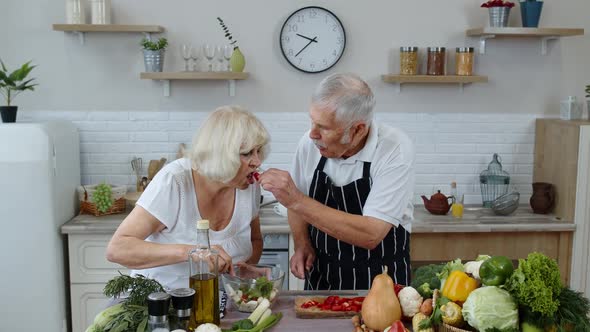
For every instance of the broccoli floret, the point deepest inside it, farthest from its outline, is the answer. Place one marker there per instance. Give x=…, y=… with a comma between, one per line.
x=425, y=290
x=425, y=280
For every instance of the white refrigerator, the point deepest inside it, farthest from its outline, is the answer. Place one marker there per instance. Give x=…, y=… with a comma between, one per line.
x=39, y=173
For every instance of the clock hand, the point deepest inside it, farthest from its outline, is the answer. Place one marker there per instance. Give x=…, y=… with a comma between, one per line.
x=304, y=47
x=302, y=36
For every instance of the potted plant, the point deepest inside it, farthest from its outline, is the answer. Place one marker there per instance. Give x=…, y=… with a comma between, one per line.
x=11, y=85
x=237, y=61
x=499, y=11
x=153, y=54
x=530, y=12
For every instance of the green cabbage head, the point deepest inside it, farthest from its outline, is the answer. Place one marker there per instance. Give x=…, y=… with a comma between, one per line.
x=490, y=307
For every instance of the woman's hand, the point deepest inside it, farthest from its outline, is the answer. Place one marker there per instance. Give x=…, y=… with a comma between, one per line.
x=224, y=263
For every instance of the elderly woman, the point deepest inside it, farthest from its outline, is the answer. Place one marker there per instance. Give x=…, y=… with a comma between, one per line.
x=215, y=183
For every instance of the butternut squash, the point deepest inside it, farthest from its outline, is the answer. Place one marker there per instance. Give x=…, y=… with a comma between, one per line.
x=381, y=306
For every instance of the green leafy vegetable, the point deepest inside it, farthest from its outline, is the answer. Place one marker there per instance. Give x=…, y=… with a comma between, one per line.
x=490, y=307
x=262, y=288
x=436, y=316
x=536, y=284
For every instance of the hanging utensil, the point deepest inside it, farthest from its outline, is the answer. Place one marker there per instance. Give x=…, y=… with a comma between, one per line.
x=136, y=166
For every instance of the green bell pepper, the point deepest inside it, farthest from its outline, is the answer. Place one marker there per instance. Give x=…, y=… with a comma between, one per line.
x=495, y=271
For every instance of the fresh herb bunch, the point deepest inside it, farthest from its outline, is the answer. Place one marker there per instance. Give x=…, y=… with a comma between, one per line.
x=227, y=33
x=573, y=311
x=11, y=84
x=103, y=197
x=587, y=91
x=160, y=44
x=139, y=287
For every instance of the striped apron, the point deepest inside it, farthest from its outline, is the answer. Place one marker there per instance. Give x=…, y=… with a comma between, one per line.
x=340, y=265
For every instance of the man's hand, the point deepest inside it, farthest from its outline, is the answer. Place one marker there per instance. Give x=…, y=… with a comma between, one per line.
x=302, y=260
x=281, y=185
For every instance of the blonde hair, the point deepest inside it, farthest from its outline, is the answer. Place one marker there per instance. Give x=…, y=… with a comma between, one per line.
x=225, y=134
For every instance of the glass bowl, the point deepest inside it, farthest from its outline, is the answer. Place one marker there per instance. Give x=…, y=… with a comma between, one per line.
x=250, y=284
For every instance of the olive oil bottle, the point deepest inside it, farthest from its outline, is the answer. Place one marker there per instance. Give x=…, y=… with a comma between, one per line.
x=204, y=279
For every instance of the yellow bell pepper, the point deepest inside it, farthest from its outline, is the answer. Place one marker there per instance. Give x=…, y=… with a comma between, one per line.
x=458, y=286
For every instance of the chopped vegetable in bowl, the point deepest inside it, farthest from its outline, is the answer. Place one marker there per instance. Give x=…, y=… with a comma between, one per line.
x=249, y=285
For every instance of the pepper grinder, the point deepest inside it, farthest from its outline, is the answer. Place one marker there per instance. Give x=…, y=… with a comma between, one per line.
x=158, y=304
x=182, y=302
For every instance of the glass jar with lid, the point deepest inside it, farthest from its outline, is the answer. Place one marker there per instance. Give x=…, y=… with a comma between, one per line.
x=436, y=61
x=464, y=61
x=408, y=60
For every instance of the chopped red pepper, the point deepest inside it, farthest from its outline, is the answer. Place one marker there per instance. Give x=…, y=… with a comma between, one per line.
x=336, y=307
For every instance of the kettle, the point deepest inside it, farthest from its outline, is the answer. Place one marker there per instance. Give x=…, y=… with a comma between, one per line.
x=438, y=203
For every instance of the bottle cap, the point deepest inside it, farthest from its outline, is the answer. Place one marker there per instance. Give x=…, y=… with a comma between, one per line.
x=203, y=224
x=158, y=304
x=182, y=298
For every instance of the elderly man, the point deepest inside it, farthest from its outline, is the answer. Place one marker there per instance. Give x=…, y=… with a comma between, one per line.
x=349, y=198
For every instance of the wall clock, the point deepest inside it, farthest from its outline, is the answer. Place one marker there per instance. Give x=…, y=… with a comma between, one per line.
x=312, y=39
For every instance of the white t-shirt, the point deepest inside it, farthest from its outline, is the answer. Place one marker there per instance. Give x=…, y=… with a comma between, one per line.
x=171, y=198
x=391, y=153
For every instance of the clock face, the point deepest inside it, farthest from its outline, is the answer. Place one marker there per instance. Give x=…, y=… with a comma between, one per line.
x=312, y=39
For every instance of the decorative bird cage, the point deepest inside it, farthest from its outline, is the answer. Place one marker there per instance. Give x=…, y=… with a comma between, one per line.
x=494, y=181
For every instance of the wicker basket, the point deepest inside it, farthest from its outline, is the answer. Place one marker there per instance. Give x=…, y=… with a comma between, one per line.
x=445, y=327
x=88, y=207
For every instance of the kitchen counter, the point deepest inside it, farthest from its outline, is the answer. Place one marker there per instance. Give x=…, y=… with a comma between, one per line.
x=475, y=220
x=434, y=238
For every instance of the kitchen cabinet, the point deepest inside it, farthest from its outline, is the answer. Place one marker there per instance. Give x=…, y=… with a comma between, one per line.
x=545, y=34
x=562, y=157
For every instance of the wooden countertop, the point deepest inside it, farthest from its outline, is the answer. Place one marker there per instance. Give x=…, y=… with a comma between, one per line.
x=475, y=220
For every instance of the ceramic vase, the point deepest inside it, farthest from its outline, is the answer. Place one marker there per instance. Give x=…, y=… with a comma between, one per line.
x=237, y=61
x=543, y=197
x=530, y=12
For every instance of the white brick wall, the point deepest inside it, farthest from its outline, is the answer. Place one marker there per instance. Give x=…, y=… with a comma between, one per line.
x=450, y=147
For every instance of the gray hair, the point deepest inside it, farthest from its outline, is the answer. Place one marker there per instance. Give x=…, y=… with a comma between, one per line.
x=228, y=132
x=348, y=95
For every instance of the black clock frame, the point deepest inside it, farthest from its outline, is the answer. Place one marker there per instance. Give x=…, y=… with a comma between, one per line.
x=281, y=39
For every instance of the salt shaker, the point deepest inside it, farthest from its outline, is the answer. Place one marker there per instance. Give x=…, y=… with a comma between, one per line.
x=75, y=12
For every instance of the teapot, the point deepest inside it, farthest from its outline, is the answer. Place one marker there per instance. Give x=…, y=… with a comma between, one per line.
x=438, y=203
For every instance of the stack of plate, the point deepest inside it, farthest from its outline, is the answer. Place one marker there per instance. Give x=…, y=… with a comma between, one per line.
x=506, y=204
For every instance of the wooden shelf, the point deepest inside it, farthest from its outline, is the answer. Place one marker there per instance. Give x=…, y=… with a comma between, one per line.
x=431, y=79
x=166, y=77
x=108, y=28
x=546, y=34
x=80, y=29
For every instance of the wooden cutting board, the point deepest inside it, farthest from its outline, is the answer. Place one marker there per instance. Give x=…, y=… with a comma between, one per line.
x=315, y=312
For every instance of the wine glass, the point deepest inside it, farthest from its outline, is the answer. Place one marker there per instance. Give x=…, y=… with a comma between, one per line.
x=220, y=59
x=209, y=51
x=228, y=50
x=186, y=51
x=195, y=55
